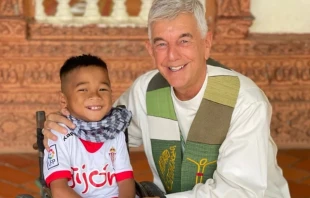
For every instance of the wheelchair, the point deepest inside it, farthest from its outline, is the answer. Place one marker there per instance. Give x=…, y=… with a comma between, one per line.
x=143, y=189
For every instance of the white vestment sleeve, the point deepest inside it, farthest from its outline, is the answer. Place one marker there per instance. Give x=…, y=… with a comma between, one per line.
x=134, y=100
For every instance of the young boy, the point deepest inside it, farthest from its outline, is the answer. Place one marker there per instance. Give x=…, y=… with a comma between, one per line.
x=92, y=160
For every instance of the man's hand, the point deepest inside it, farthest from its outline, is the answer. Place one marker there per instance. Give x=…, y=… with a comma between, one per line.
x=52, y=122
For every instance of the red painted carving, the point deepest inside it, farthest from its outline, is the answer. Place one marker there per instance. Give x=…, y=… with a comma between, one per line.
x=232, y=29
x=59, y=48
x=93, y=32
x=11, y=7
x=233, y=19
x=12, y=29
x=233, y=8
x=290, y=124
x=29, y=81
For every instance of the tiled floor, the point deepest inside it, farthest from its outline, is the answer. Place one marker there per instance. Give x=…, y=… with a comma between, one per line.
x=19, y=171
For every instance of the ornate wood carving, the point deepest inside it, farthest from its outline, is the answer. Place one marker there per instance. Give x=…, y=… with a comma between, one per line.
x=12, y=29
x=233, y=19
x=126, y=48
x=291, y=123
x=92, y=32
x=273, y=72
x=11, y=8
x=263, y=45
x=37, y=49
x=233, y=8
x=29, y=81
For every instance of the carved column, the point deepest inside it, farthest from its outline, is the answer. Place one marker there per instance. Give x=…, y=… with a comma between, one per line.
x=119, y=11
x=12, y=25
x=63, y=10
x=39, y=10
x=233, y=19
x=145, y=8
x=11, y=8
x=92, y=10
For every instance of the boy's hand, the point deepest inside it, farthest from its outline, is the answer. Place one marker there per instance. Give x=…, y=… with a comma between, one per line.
x=52, y=123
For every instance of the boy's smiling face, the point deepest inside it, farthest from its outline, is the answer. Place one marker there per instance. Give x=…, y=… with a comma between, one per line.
x=87, y=93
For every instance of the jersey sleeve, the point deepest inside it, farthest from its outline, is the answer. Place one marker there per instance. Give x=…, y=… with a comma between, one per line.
x=122, y=166
x=56, y=163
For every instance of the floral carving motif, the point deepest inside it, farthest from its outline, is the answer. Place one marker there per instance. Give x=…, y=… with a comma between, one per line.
x=29, y=68
x=93, y=32
x=233, y=8
x=290, y=124
x=11, y=7
x=13, y=29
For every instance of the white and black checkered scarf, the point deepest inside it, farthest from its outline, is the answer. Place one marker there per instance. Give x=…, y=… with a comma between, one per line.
x=116, y=121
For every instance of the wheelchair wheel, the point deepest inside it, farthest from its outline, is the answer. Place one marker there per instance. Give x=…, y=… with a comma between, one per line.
x=46, y=193
x=148, y=189
x=24, y=196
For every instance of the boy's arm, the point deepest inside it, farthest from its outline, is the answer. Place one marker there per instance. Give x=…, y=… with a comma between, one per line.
x=60, y=188
x=123, y=169
x=57, y=168
x=126, y=188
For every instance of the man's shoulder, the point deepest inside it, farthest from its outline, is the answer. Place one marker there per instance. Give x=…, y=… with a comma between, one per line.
x=248, y=88
x=141, y=83
x=146, y=77
x=245, y=82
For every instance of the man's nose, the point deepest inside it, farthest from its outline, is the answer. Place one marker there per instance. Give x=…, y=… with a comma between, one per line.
x=173, y=53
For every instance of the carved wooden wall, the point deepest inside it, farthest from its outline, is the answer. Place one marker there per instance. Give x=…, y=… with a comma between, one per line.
x=31, y=55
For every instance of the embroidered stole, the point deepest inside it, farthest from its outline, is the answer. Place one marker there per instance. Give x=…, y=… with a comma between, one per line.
x=180, y=171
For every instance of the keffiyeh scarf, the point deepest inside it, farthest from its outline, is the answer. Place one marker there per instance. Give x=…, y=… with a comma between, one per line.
x=116, y=121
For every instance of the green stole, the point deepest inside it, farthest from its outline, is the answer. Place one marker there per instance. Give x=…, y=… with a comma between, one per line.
x=180, y=171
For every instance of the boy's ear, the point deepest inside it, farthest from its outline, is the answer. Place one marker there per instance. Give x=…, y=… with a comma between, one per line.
x=63, y=100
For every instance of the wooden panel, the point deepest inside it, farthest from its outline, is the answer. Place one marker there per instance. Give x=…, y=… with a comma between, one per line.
x=31, y=58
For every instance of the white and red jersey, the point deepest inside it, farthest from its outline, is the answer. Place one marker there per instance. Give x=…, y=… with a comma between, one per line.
x=92, y=169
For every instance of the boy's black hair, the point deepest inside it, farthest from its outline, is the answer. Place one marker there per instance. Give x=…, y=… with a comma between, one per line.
x=83, y=60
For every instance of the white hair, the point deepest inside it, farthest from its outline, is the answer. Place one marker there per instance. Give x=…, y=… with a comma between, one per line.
x=170, y=9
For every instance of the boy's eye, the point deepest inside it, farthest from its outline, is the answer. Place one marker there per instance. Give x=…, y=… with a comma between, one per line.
x=102, y=89
x=82, y=89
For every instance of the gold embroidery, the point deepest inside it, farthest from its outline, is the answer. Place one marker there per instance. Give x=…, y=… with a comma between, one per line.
x=202, y=163
x=168, y=157
x=163, y=159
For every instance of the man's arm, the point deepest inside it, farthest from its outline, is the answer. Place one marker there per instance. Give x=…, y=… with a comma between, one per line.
x=123, y=169
x=52, y=123
x=60, y=188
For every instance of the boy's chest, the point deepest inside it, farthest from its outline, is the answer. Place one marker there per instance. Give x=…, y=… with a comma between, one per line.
x=93, y=171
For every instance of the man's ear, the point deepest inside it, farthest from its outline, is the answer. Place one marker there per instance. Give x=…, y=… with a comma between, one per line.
x=208, y=43
x=148, y=47
x=62, y=100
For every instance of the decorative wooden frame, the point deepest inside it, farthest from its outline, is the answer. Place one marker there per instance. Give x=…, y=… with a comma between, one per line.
x=32, y=53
